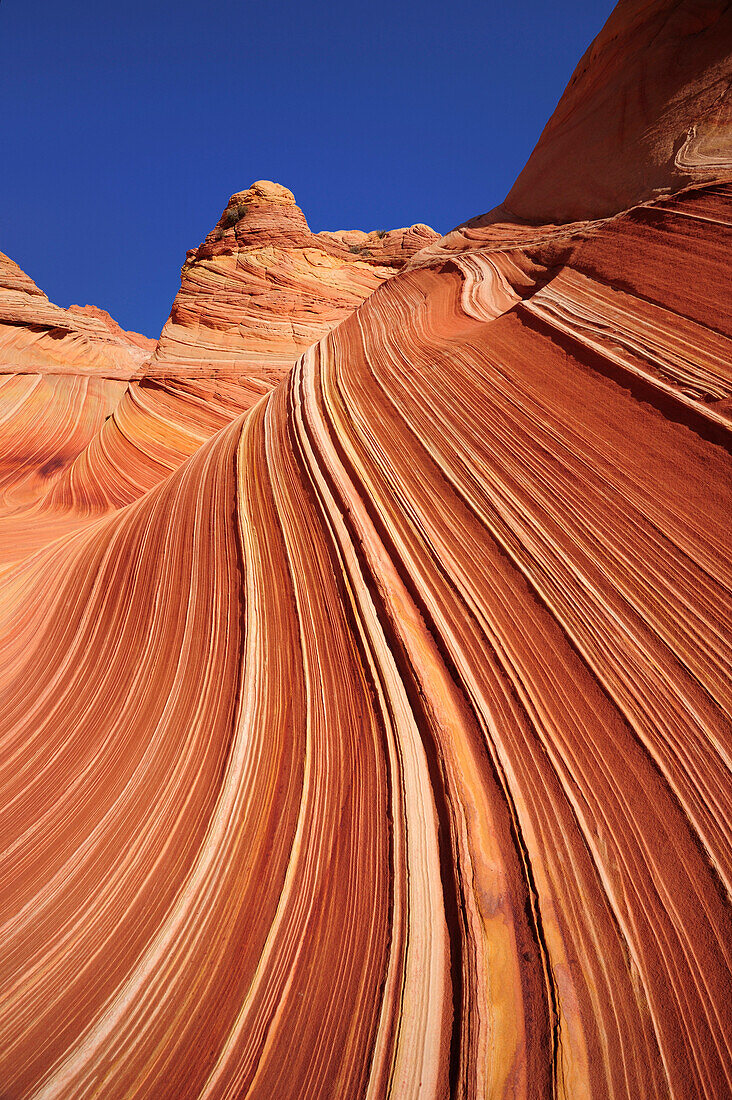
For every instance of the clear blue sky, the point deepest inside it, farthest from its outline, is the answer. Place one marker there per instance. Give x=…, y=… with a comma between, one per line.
x=126, y=124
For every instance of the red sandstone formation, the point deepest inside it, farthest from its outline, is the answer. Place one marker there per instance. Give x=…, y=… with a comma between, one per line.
x=383, y=748
x=254, y=295
x=62, y=372
x=262, y=288
x=145, y=343
x=37, y=336
x=647, y=111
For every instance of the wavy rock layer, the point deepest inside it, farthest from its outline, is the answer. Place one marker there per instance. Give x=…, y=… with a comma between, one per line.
x=383, y=748
x=262, y=288
x=62, y=373
x=421, y=797
x=37, y=336
x=107, y=327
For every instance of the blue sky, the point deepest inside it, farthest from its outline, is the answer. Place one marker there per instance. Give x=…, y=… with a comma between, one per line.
x=126, y=125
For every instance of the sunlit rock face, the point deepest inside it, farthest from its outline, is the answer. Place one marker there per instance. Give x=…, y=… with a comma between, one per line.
x=38, y=336
x=647, y=111
x=382, y=749
x=108, y=330
x=259, y=290
x=262, y=288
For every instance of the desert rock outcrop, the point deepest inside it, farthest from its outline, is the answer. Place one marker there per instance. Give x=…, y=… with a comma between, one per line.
x=259, y=290
x=62, y=372
x=105, y=322
x=647, y=111
x=383, y=748
x=262, y=288
x=38, y=336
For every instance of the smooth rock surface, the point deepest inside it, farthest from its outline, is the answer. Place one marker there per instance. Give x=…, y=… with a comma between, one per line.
x=648, y=110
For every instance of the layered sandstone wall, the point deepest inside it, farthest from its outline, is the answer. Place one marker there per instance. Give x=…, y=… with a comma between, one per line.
x=262, y=287
x=382, y=748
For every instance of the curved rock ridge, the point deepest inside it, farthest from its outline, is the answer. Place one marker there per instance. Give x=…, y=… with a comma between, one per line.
x=638, y=320
x=415, y=700
x=108, y=323
x=383, y=748
x=37, y=336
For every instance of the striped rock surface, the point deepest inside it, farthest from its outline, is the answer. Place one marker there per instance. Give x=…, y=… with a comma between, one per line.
x=62, y=372
x=262, y=287
x=37, y=336
x=383, y=748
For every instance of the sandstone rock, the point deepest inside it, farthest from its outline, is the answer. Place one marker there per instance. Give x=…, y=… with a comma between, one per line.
x=648, y=110
x=382, y=748
x=253, y=296
x=38, y=336
x=261, y=288
x=62, y=373
x=145, y=343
